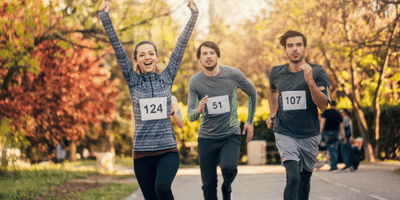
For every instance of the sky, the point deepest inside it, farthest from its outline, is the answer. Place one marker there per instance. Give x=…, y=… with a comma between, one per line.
x=231, y=10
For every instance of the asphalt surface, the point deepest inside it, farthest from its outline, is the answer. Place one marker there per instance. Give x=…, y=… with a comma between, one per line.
x=372, y=181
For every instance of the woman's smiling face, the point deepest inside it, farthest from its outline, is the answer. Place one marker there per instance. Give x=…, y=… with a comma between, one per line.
x=147, y=58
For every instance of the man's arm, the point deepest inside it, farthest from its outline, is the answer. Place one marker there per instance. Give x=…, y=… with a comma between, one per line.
x=272, y=96
x=195, y=107
x=322, y=123
x=319, y=98
x=247, y=87
x=341, y=128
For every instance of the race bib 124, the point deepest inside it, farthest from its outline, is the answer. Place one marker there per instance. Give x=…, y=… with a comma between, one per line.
x=153, y=108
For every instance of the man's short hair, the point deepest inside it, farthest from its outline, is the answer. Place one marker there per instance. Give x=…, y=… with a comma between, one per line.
x=290, y=34
x=208, y=44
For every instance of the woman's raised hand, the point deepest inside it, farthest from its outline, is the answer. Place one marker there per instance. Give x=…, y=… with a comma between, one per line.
x=192, y=5
x=105, y=6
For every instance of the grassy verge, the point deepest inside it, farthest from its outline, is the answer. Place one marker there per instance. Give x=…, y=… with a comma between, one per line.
x=51, y=180
x=46, y=181
x=110, y=191
x=126, y=161
x=17, y=184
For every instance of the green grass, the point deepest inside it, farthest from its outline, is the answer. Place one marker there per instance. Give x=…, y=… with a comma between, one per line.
x=28, y=183
x=19, y=183
x=31, y=182
x=122, y=177
x=125, y=161
x=191, y=165
x=111, y=191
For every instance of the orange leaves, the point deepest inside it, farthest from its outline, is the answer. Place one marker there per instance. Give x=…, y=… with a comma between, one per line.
x=59, y=112
x=69, y=94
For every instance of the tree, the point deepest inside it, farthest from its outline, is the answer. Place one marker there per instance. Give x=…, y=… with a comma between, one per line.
x=69, y=93
x=361, y=55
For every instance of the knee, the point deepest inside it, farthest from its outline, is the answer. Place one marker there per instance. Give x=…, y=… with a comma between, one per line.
x=227, y=170
x=163, y=189
x=209, y=186
x=293, y=178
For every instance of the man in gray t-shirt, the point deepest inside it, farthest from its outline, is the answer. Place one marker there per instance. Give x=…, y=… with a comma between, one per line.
x=212, y=97
x=296, y=91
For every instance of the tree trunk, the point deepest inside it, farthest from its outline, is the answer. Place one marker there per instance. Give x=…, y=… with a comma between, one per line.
x=72, y=150
x=378, y=91
x=377, y=113
x=108, y=139
x=361, y=122
x=7, y=79
x=110, y=135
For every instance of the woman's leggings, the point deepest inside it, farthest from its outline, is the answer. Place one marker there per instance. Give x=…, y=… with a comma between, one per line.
x=155, y=175
x=297, y=183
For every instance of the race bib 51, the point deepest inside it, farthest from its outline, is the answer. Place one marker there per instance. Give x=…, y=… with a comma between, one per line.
x=218, y=105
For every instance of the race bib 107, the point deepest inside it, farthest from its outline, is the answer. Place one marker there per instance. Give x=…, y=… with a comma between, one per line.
x=153, y=108
x=294, y=100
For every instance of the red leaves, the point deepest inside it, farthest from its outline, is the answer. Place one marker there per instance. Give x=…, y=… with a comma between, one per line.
x=68, y=94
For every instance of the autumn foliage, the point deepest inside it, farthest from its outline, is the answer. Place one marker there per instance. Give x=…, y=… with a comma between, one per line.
x=70, y=93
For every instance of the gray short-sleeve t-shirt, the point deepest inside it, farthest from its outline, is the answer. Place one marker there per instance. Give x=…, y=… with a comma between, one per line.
x=297, y=114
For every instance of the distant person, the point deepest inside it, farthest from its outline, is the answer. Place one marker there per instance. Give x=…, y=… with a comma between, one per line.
x=212, y=97
x=155, y=152
x=355, y=154
x=296, y=91
x=61, y=153
x=332, y=127
x=345, y=147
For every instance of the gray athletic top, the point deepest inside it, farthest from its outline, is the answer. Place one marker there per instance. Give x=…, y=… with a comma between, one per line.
x=297, y=114
x=151, y=92
x=348, y=126
x=219, y=118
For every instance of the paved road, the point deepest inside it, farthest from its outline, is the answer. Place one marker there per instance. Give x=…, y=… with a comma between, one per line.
x=370, y=182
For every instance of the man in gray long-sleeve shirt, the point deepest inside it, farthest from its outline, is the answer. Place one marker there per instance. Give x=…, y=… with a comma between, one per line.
x=212, y=94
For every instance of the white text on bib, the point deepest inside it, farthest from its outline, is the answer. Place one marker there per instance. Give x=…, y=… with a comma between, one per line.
x=218, y=105
x=294, y=100
x=153, y=108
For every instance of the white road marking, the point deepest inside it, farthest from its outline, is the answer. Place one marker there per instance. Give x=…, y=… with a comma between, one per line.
x=352, y=189
x=355, y=190
x=377, y=197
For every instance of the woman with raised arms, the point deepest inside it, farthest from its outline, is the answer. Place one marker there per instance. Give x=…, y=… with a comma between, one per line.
x=155, y=152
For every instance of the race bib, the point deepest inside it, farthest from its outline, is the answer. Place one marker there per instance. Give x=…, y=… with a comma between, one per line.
x=153, y=108
x=218, y=105
x=294, y=100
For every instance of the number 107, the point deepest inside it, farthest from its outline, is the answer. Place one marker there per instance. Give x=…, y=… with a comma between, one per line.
x=292, y=100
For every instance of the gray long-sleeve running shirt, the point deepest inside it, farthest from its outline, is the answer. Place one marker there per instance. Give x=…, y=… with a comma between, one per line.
x=219, y=118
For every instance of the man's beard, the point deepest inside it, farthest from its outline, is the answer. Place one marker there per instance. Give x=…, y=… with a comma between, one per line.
x=297, y=61
x=210, y=68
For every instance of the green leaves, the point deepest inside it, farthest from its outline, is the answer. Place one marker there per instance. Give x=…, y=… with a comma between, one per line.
x=11, y=138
